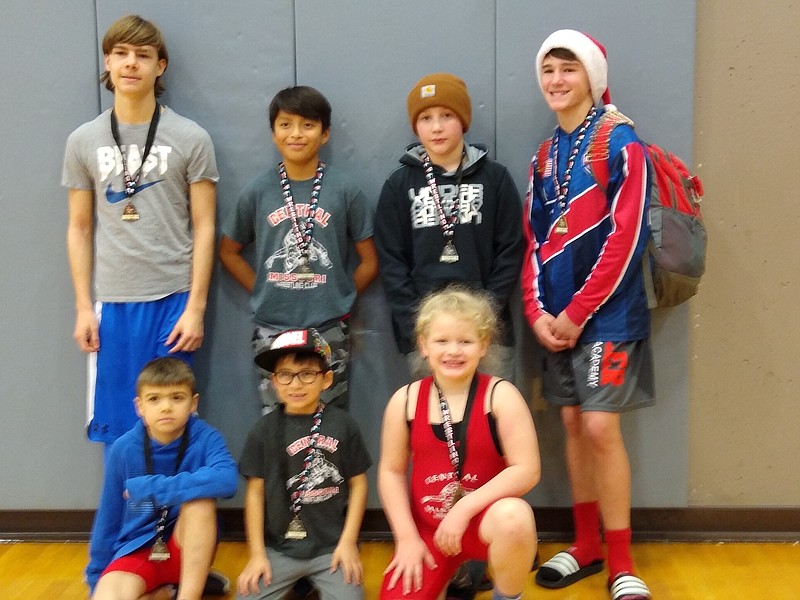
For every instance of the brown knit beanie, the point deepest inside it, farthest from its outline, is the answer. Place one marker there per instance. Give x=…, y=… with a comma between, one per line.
x=440, y=89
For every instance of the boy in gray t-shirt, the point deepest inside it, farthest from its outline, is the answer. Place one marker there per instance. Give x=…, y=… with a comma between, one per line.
x=304, y=219
x=142, y=197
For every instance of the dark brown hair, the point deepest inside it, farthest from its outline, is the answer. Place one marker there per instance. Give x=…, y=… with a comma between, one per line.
x=301, y=100
x=563, y=54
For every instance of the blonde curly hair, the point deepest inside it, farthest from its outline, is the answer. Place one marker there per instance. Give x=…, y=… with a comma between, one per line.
x=476, y=306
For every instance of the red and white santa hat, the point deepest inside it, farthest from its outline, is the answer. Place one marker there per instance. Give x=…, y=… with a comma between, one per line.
x=589, y=51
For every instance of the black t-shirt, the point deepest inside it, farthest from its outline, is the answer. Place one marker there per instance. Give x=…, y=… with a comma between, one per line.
x=275, y=450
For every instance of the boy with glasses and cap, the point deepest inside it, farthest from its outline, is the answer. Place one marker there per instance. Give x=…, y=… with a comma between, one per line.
x=305, y=464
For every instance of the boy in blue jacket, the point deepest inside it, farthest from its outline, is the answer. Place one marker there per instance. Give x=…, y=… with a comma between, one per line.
x=156, y=521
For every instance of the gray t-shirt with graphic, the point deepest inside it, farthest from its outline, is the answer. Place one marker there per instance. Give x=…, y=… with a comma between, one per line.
x=343, y=216
x=150, y=257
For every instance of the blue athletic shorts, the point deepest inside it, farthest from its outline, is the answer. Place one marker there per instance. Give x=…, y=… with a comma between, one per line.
x=131, y=335
x=602, y=376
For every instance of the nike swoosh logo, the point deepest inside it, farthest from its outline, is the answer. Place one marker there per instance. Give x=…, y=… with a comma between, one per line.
x=113, y=197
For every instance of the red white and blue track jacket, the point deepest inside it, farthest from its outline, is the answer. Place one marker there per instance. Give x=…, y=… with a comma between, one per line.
x=594, y=271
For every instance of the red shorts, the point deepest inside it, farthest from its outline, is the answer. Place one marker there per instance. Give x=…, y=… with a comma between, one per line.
x=435, y=580
x=154, y=573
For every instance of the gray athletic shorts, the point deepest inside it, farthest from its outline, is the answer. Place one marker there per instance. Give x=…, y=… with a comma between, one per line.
x=601, y=376
x=286, y=571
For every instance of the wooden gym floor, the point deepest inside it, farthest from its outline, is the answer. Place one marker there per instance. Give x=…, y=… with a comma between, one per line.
x=674, y=571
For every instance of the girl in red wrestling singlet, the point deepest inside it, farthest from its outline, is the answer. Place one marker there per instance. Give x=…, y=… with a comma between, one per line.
x=472, y=447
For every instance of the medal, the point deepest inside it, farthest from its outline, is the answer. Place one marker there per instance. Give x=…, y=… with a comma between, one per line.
x=458, y=494
x=295, y=531
x=129, y=213
x=457, y=454
x=304, y=271
x=449, y=253
x=562, y=187
x=159, y=552
x=302, y=235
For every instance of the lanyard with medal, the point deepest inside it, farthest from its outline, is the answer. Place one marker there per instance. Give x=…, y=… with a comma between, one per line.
x=449, y=253
x=458, y=454
x=159, y=552
x=562, y=188
x=302, y=237
x=296, y=530
x=129, y=213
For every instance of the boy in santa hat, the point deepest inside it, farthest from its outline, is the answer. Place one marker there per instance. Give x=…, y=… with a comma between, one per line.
x=585, y=300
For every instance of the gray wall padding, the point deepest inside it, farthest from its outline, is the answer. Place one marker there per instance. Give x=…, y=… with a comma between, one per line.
x=227, y=61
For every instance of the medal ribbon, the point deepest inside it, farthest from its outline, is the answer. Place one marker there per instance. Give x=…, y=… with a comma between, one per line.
x=131, y=181
x=163, y=511
x=458, y=454
x=446, y=224
x=304, y=236
x=305, y=482
x=562, y=189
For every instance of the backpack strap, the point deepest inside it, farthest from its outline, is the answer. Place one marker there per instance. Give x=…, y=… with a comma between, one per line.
x=597, y=157
x=647, y=278
x=597, y=153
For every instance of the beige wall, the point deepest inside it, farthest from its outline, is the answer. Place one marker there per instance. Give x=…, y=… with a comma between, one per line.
x=744, y=338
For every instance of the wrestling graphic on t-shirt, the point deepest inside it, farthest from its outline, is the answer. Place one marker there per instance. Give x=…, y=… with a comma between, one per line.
x=292, y=259
x=320, y=469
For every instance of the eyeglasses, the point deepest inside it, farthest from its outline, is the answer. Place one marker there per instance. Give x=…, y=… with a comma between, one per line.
x=287, y=377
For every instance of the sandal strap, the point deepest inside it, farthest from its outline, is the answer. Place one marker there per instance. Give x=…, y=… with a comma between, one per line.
x=563, y=563
x=628, y=586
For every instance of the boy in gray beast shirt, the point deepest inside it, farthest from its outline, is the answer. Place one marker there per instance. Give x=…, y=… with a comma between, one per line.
x=142, y=194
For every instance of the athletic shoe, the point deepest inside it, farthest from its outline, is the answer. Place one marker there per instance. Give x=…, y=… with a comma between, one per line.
x=216, y=584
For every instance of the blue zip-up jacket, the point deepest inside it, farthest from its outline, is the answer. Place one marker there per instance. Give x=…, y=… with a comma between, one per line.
x=123, y=525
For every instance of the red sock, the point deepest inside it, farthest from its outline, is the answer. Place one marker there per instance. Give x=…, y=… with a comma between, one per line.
x=588, y=546
x=619, y=552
